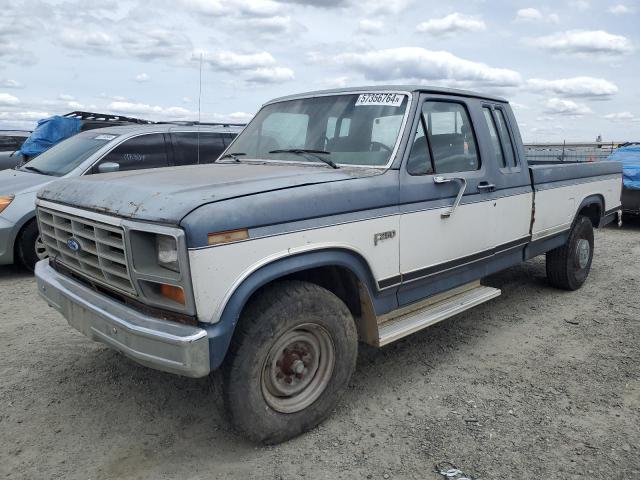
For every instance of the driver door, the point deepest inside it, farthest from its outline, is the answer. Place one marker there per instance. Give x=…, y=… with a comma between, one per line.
x=441, y=241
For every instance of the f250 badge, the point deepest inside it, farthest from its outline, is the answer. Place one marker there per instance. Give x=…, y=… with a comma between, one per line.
x=378, y=237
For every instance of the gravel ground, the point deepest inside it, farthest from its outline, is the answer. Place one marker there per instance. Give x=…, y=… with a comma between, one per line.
x=537, y=383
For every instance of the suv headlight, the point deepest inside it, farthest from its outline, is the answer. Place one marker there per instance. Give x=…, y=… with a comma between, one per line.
x=167, y=251
x=5, y=201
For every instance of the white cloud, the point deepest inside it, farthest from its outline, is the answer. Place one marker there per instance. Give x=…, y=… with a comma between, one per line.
x=96, y=42
x=156, y=112
x=619, y=9
x=370, y=27
x=142, y=77
x=259, y=67
x=585, y=42
x=219, y=8
x=232, y=61
x=580, y=5
x=419, y=65
x=65, y=97
x=621, y=117
x=451, y=24
x=270, y=25
x=10, y=83
x=535, y=15
x=559, y=106
x=8, y=99
x=23, y=116
x=574, y=87
x=270, y=75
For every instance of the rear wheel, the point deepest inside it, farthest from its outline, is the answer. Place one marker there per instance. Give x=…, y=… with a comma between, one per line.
x=31, y=249
x=568, y=266
x=291, y=358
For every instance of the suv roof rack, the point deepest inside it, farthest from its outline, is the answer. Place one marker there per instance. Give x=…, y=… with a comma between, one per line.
x=105, y=117
x=188, y=123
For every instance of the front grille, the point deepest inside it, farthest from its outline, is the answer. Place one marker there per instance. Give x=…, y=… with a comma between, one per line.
x=102, y=253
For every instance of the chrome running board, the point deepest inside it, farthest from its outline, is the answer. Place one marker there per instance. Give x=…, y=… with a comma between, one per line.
x=411, y=322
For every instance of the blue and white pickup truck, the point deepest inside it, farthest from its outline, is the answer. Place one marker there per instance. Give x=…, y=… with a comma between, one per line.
x=361, y=214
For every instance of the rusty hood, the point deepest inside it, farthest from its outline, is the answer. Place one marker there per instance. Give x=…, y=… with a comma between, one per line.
x=167, y=195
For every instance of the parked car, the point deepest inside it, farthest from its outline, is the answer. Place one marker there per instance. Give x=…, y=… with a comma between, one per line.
x=52, y=130
x=10, y=143
x=629, y=155
x=121, y=148
x=335, y=216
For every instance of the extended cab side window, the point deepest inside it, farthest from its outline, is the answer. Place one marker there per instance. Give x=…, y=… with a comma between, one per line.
x=144, y=151
x=451, y=138
x=493, y=133
x=187, y=144
x=506, y=138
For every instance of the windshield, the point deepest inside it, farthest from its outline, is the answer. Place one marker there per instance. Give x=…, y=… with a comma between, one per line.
x=68, y=154
x=356, y=129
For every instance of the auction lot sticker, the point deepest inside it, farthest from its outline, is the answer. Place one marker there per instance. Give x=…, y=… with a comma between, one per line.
x=384, y=99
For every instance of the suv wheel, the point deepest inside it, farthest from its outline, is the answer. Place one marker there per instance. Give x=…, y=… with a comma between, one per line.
x=31, y=248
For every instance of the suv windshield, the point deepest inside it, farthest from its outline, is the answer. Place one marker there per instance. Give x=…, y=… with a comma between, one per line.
x=355, y=129
x=68, y=154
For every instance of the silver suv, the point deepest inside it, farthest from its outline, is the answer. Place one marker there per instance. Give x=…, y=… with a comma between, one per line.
x=103, y=150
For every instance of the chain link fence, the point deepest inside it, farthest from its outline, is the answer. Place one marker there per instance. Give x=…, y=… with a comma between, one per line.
x=569, y=152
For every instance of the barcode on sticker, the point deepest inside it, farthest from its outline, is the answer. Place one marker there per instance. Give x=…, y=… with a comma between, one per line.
x=386, y=99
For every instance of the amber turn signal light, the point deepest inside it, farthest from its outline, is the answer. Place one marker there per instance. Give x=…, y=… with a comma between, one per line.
x=228, y=236
x=5, y=201
x=172, y=293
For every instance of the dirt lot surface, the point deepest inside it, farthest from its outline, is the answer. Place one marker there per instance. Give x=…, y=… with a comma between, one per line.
x=536, y=384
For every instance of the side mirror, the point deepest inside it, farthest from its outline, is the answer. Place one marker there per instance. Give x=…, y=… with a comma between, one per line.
x=108, y=167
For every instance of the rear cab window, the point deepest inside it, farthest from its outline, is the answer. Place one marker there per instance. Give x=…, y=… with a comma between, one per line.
x=191, y=148
x=505, y=137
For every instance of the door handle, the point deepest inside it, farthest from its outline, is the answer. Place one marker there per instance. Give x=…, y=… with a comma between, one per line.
x=486, y=187
x=463, y=185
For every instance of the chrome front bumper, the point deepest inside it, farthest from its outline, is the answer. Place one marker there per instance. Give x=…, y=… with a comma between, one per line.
x=155, y=343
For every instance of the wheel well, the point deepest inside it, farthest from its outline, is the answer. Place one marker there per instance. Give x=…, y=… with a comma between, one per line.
x=344, y=284
x=593, y=212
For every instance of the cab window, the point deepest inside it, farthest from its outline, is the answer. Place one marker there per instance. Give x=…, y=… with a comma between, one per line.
x=144, y=151
x=450, y=136
x=493, y=134
x=191, y=148
x=506, y=138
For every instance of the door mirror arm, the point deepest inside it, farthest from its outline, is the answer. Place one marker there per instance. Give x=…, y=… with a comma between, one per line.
x=439, y=179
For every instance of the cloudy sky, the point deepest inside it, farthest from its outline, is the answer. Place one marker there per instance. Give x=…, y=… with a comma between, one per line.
x=569, y=68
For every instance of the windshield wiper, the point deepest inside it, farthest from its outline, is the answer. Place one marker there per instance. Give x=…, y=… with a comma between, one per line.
x=304, y=151
x=34, y=169
x=233, y=156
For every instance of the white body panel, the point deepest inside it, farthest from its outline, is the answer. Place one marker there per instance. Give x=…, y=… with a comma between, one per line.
x=556, y=207
x=427, y=239
x=217, y=271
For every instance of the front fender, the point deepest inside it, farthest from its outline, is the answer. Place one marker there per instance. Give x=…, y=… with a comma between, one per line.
x=220, y=334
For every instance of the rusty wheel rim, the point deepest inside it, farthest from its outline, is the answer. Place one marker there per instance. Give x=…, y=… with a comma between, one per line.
x=298, y=368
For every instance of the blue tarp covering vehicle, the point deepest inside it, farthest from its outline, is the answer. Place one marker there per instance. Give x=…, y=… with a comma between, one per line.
x=630, y=157
x=49, y=132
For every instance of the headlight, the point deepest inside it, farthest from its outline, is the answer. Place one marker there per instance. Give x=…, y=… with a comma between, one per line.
x=167, y=250
x=5, y=201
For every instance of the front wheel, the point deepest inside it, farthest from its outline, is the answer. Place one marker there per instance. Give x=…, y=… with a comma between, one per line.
x=291, y=358
x=568, y=266
x=31, y=249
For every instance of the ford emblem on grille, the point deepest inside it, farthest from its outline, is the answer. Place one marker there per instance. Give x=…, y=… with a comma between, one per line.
x=73, y=245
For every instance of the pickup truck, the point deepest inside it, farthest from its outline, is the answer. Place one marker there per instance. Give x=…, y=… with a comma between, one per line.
x=361, y=214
